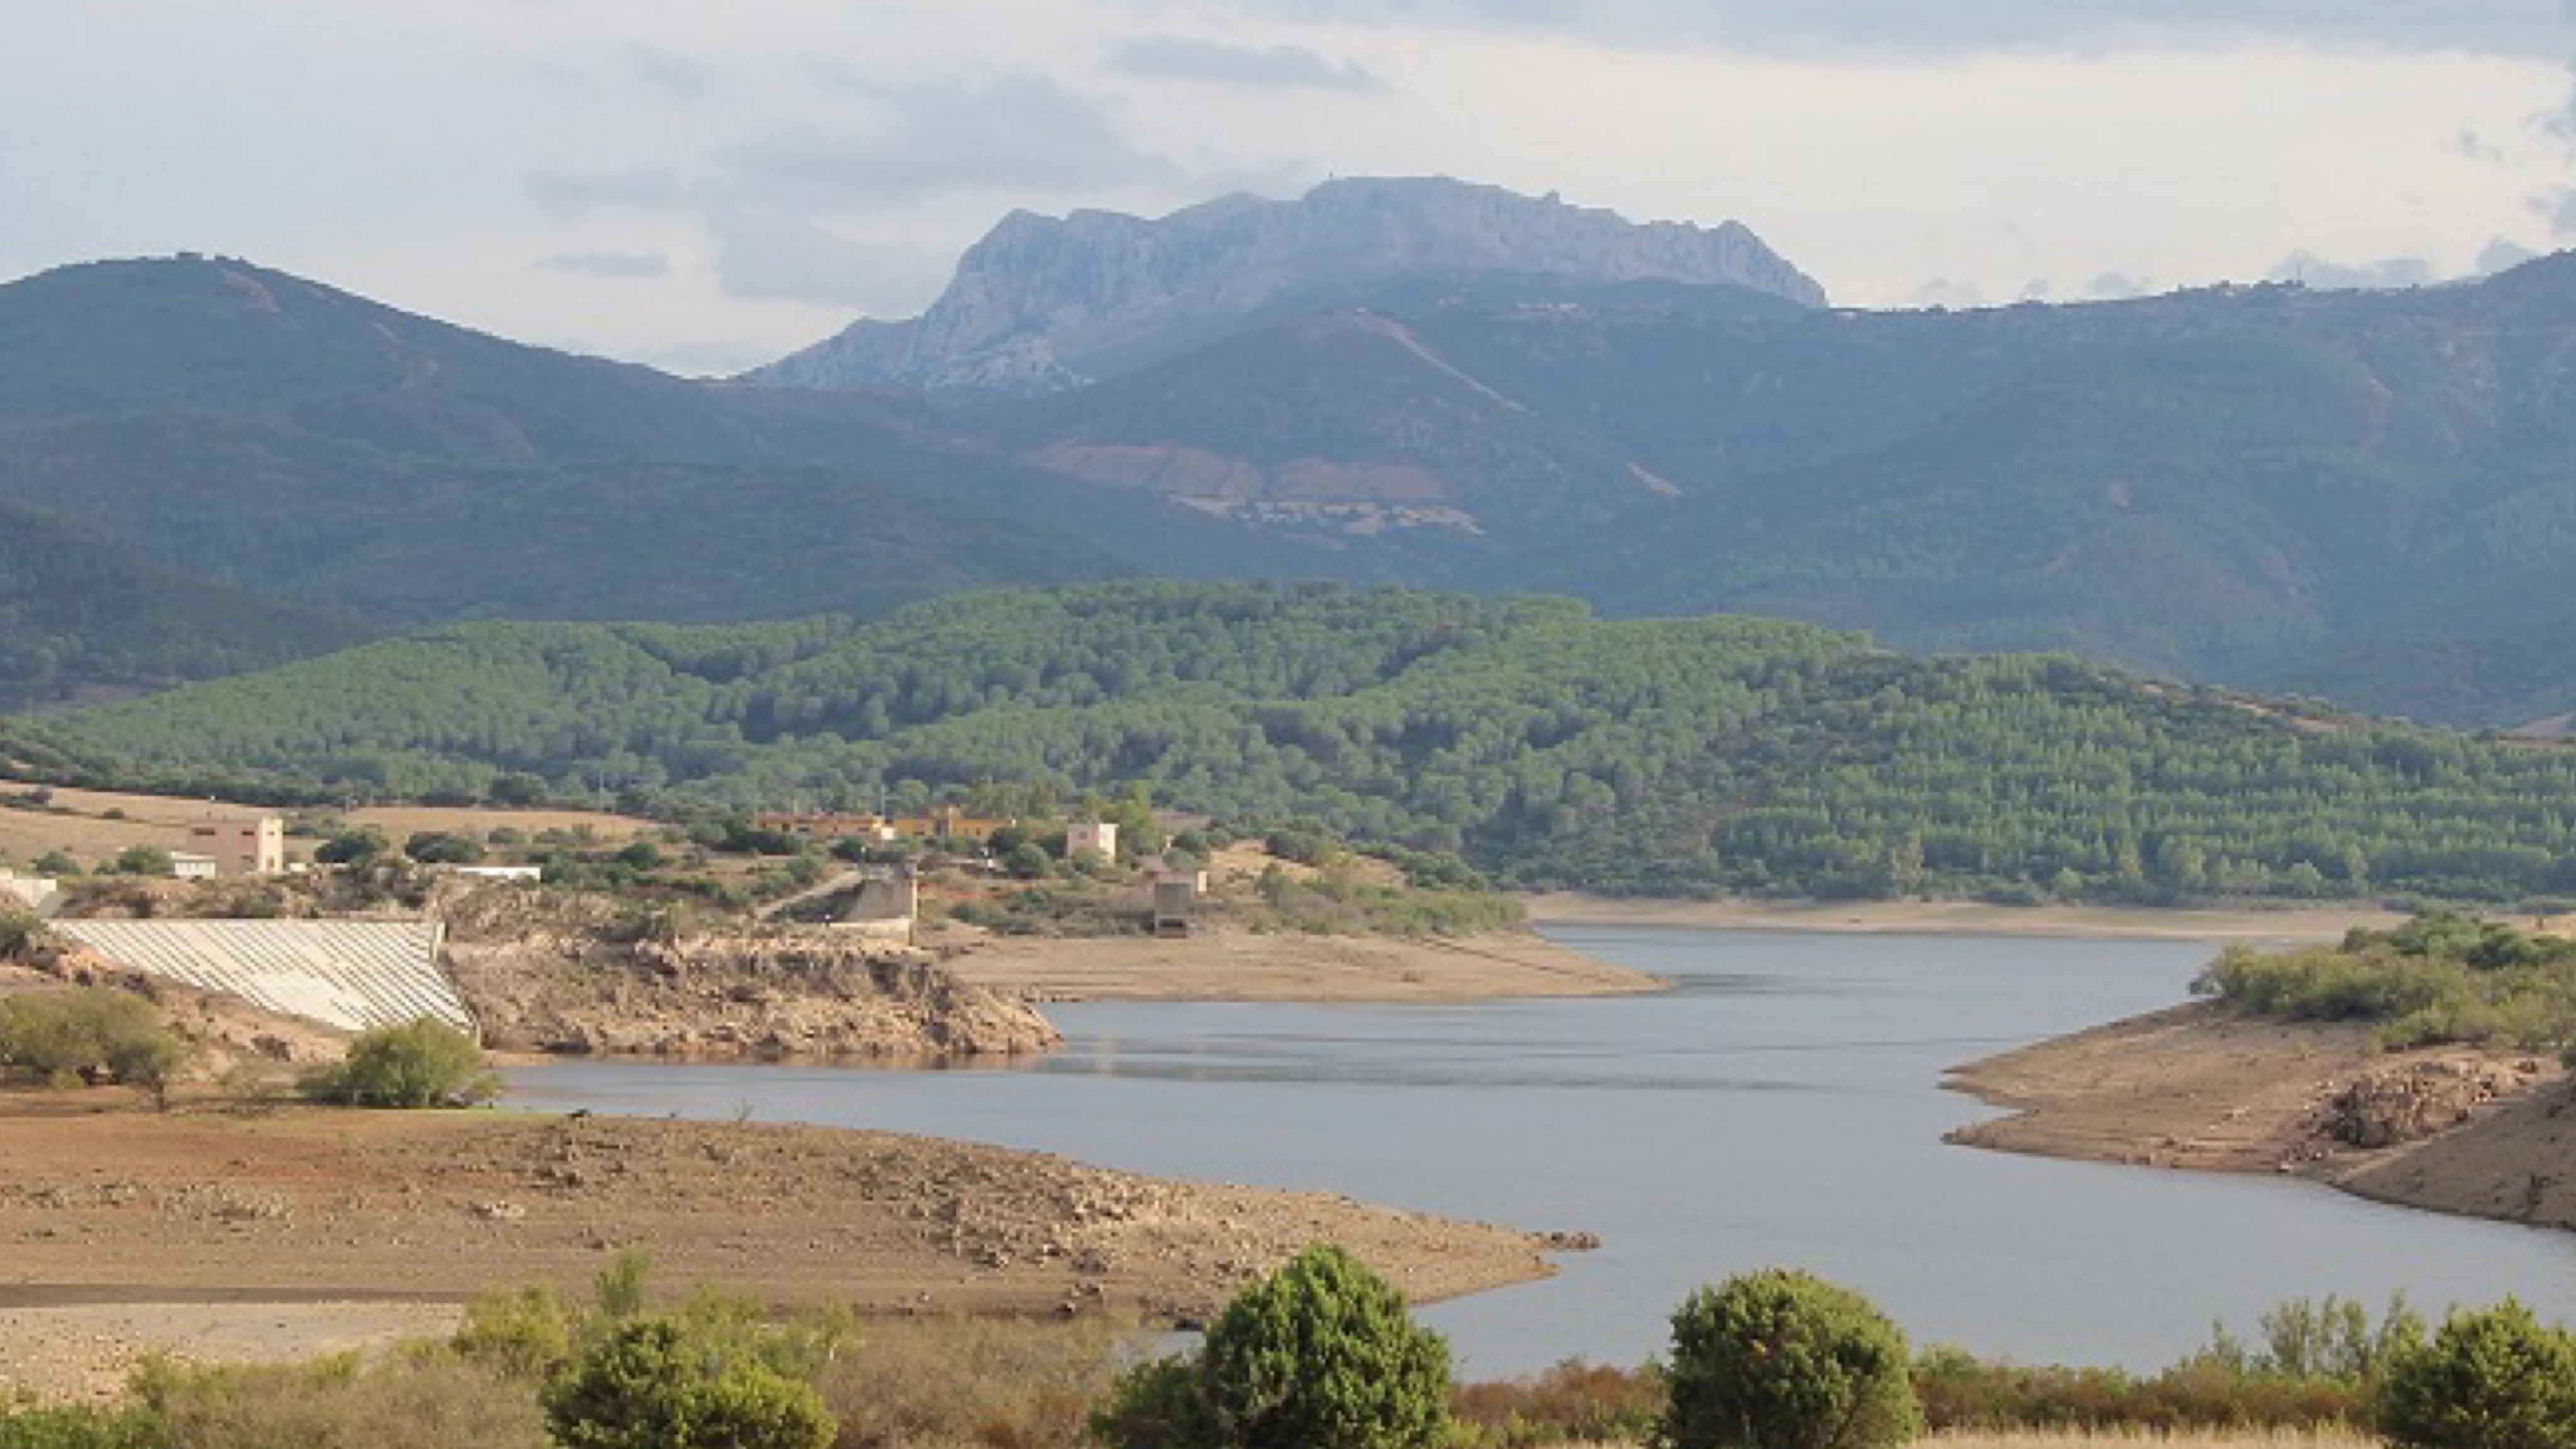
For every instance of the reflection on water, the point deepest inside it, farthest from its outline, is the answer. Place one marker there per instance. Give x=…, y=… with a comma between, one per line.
x=1781, y=1106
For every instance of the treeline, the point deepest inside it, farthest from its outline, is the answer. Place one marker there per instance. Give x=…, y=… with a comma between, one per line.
x=2439, y=978
x=1548, y=747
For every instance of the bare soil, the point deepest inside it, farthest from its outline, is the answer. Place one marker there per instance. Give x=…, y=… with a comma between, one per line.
x=107, y=1204
x=1973, y=918
x=2198, y=1087
x=1236, y=965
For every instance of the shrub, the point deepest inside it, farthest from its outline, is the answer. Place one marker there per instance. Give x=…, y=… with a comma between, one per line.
x=422, y=1064
x=2491, y=1379
x=1319, y=1355
x=411, y=1401
x=1573, y=1403
x=90, y=1033
x=652, y=1384
x=1785, y=1360
x=443, y=847
x=141, y=860
x=1013, y=1385
x=75, y=1426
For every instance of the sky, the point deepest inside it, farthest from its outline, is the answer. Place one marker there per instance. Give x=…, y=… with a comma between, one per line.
x=706, y=186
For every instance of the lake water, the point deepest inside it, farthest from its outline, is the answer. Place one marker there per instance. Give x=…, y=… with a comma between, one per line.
x=1782, y=1106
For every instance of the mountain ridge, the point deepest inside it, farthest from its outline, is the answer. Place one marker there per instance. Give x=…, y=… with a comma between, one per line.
x=1045, y=304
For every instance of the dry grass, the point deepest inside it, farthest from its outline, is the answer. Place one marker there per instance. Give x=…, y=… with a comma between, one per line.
x=2134, y=1439
x=400, y=822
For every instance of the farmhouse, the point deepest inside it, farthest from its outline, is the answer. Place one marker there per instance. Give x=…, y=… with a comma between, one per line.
x=241, y=845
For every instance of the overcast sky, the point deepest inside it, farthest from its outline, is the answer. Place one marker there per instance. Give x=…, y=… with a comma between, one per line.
x=704, y=186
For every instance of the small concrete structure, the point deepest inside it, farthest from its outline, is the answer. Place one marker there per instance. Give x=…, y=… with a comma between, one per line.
x=186, y=865
x=349, y=974
x=36, y=892
x=1099, y=835
x=888, y=906
x=1176, y=900
x=241, y=845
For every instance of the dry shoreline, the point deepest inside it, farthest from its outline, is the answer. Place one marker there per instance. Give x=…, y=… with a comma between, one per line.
x=1233, y=965
x=1972, y=918
x=220, y=1234
x=2200, y=1088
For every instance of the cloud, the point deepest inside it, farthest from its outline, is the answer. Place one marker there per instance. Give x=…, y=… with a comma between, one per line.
x=615, y=266
x=1283, y=67
x=1946, y=292
x=680, y=76
x=2119, y=287
x=2387, y=274
x=779, y=253
x=650, y=187
x=1910, y=28
x=1019, y=133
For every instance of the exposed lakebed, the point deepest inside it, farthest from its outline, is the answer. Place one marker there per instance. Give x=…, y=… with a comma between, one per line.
x=1782, y=1105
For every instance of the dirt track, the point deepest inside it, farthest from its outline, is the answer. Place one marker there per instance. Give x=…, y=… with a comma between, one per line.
x=115, y=1205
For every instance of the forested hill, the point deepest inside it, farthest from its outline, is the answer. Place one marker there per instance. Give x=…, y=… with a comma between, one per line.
x=1548, y=746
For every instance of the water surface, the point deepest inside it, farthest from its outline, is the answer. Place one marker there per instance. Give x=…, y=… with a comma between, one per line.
x=1781, y=1106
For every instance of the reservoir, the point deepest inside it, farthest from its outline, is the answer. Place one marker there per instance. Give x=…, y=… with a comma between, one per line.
x=1782, y=1106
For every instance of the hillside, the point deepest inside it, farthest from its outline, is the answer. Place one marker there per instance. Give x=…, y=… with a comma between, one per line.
x=76, y=613
x=223, y=456
x=1548, y=746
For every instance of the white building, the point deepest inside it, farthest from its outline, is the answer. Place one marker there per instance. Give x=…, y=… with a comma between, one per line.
x=188, y=865
x=1099, y=835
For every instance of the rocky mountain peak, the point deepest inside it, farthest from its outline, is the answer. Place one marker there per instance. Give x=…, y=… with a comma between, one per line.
x=1044, y=304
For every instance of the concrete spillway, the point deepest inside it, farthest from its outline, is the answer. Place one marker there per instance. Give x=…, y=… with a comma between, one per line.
x=349, y=974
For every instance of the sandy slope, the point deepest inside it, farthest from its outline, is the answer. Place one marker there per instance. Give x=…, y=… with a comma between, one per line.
x=2317, y=923
x=2199, y=1087
x=105, y=1203
x=1230, y=965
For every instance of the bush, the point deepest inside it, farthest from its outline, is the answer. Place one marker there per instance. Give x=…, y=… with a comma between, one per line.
x=89, y=1034
x=412, y=1401
x=1572, y=1403
x=443, y=847
x=81, y=1426
x=1018, y=1385
x=422, y=1064
x=652, y=1384
x=1319, y=1355
x=2492, y=1379
x=1785, y=1360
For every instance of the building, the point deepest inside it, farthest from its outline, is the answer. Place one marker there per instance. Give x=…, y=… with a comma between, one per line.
x=1099, y=835
x=188, y=865
x=946, y=825
x=825, y=826
x=1176, y=900
x=241, y=845
x=514, y=874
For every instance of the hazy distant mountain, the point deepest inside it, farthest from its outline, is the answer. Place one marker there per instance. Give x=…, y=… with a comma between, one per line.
x=205, y=464
x=1044, y=304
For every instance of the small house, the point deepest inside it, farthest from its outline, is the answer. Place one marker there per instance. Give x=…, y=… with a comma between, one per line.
x=241, y=845
x=1099, y=835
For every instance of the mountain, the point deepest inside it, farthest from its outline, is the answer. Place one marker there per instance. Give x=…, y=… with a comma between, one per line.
x=76, y=613
x=1549, y=746
x=212, y=464
x=1047, y=304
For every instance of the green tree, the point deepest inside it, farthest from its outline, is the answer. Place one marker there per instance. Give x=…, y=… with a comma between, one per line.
x=423, y=1063
x=443, y=847
x=1785, y=1360
x=2495, y=1378
x=57, y=863
x=650, y=1383
x=141, y=860
x=91, y=1033
x=1319, y=1355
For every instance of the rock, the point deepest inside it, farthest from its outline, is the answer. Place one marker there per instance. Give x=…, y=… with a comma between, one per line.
x=1046, y=304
